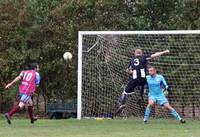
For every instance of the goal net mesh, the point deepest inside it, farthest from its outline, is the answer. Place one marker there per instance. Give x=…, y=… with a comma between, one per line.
x=105, y=59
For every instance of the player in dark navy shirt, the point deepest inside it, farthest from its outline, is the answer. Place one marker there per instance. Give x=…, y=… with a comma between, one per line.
x=137, y=70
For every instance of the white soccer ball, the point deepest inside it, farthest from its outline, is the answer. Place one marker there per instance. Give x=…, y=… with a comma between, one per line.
x=67, y=56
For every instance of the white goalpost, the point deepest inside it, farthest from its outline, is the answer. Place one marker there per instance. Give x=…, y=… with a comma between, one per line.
x=103, y=57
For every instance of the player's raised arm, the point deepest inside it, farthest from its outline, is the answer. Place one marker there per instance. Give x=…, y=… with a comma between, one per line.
x=157, y=54
x=13, y=82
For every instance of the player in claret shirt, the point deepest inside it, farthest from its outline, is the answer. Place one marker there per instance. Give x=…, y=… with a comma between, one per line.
x=30, y=79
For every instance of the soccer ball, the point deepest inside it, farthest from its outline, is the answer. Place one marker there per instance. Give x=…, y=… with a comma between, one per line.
x=67, y=56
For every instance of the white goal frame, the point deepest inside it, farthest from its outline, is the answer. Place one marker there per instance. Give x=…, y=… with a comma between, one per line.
x=80, y=37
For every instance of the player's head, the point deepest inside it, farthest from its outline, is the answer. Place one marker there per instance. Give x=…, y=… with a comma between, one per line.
x=152, y=71
x=138, y=52
x=34, y=66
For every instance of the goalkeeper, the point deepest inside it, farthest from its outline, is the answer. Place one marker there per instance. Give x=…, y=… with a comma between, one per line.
x=155, y=83
x=137, y=70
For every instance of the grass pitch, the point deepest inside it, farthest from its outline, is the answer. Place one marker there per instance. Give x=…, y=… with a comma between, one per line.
x=100, y=128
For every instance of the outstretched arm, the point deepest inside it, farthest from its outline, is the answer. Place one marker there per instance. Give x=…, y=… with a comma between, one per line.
x=13, y=82
x=157, y=54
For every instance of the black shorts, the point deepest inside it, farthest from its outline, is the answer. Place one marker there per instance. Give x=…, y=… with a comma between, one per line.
x=133, y=83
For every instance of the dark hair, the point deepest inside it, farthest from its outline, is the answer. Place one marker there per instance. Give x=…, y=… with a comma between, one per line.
x=32, y=65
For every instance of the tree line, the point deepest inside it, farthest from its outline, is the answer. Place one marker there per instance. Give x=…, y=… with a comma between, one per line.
x=43, y=30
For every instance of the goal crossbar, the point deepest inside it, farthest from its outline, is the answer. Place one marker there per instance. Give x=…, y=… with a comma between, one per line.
x=159, y=32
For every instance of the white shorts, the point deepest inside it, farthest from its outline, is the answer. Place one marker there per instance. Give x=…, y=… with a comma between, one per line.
x=26, y=99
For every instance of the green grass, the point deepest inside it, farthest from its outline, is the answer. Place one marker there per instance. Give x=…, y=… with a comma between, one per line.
x=105, y=128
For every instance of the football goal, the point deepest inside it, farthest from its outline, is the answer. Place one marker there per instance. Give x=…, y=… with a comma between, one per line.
x=103, y=57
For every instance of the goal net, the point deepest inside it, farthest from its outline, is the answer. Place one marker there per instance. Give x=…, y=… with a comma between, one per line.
x=104, y=58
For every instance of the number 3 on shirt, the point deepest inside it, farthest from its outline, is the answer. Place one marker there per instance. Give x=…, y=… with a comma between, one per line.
x=27, y=76
x=136, y=62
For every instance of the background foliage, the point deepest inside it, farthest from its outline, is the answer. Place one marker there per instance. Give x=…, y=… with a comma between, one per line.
x=44, y=29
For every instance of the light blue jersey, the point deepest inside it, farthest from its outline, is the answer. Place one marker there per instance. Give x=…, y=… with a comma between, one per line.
x=156, y=85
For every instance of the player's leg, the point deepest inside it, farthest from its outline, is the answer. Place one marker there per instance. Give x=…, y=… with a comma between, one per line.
x=141, y=100
x=142, y=83
x=162, y=100
x=124, y=97
x=30, y=111
x=174, y=113
x=17, y=108
x=142, y=92
x=148, y=109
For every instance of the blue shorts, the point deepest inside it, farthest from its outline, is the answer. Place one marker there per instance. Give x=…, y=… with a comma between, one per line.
x=25, y=98
x=160, y=99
